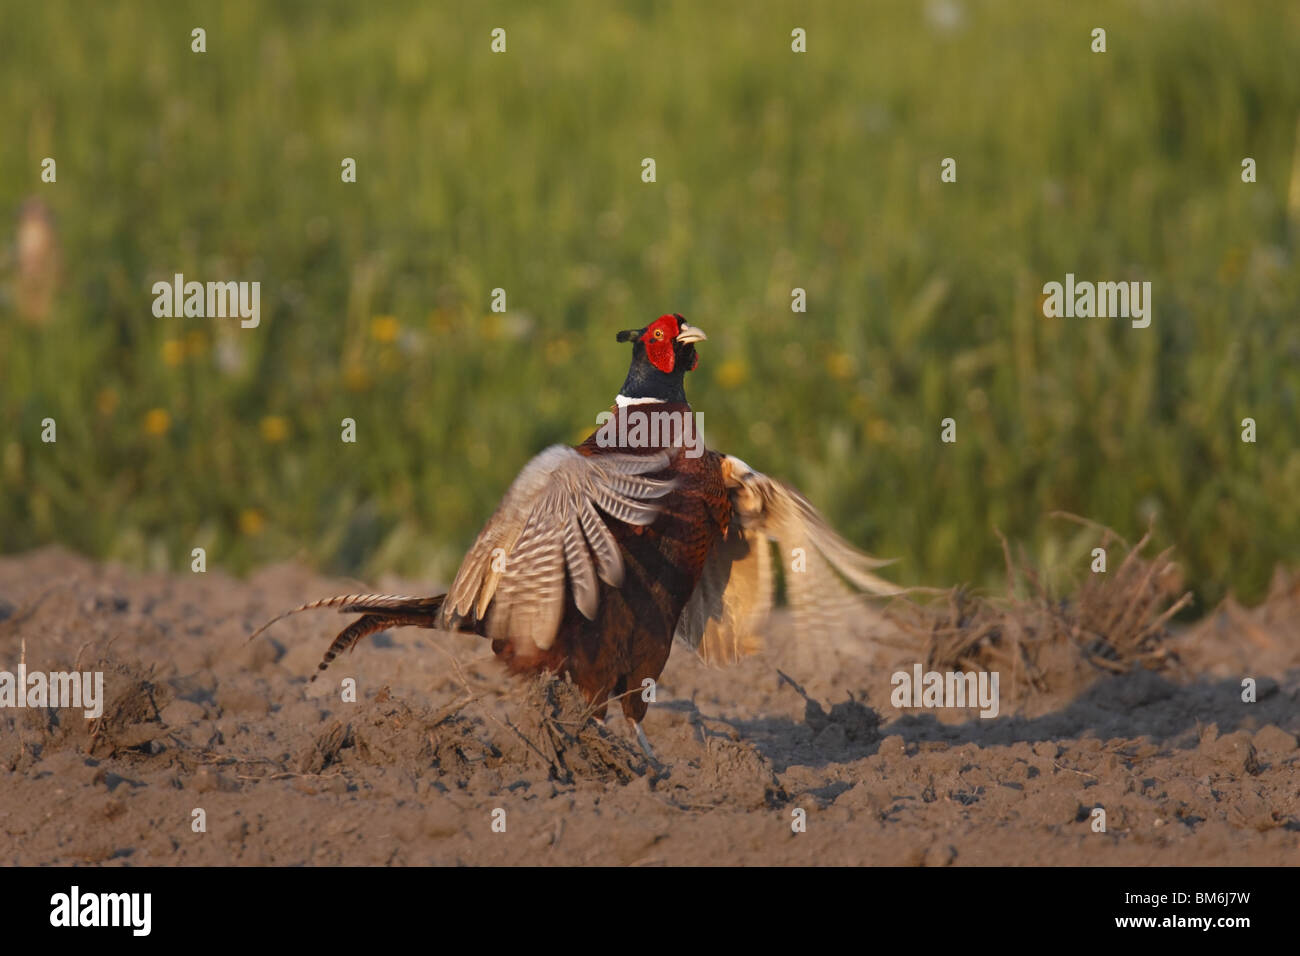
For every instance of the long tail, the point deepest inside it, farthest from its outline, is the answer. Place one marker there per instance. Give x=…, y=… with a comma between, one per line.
x=379, y=612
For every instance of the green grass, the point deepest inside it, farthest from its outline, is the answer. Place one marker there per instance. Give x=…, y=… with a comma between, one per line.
x=775, y=170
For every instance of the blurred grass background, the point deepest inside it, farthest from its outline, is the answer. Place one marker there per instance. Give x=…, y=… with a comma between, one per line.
x=775, y=171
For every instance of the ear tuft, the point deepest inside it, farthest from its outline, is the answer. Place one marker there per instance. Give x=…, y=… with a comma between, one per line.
x=626, y=335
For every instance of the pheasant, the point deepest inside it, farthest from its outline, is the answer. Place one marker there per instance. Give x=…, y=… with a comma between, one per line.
x=600, y=555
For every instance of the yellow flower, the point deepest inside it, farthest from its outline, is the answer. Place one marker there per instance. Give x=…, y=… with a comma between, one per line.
x=106, y=401
x=157, y=421
x=274, y=429
x=731, y=373
x=173, y=352
x=251, y=521
x=384, y=328
x=356, y=378
x=840, y=365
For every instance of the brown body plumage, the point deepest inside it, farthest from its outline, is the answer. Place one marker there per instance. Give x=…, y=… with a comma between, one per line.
x=600, y=556
x=630, y=638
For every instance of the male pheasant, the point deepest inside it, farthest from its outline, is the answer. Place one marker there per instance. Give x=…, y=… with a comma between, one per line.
x=600, y=555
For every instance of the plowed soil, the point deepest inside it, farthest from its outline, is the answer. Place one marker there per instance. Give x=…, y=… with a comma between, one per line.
x=440, y=744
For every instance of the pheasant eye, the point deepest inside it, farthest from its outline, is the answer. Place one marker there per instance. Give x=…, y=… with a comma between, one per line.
x=659, y=334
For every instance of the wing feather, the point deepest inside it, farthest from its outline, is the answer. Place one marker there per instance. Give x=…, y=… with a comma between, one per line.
x=609, y=559
x=582, y=572
x=549, y=538
x=734, y=600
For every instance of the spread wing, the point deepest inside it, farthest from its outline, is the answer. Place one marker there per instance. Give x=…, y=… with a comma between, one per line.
x=823, y=573
x=552, y=527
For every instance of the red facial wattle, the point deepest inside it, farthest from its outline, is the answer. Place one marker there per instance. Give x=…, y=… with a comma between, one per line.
x=659, y=343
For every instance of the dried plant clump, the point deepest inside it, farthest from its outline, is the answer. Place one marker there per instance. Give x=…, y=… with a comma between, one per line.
x=390, y=732
x=1042, y=643
x=1119, y=618
x=557, y=727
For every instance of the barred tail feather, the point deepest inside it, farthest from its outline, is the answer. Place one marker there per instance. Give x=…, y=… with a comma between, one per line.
x=379, y=612
x=424, y=614
x=360, y=603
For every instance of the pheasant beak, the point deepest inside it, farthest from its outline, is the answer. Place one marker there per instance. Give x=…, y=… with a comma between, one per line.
x=690, y=333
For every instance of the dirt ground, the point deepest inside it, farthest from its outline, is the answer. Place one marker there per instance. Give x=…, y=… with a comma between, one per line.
x=286, y=772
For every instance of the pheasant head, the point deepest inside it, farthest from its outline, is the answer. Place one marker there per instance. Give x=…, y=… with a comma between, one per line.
x=662, y=353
